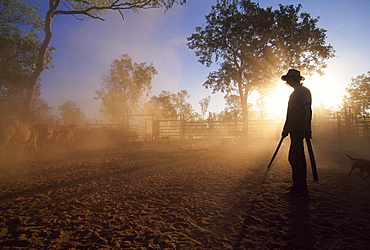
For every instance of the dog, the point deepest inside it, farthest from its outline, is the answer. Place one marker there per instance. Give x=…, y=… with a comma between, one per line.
x=362, y=164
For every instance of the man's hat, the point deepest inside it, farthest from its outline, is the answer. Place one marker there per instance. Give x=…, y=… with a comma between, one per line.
x=293, y=73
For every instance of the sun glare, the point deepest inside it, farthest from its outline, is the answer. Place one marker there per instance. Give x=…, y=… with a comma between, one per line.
x=325, y=92
x=278, y=101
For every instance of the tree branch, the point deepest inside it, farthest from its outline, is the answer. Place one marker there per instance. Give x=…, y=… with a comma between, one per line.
x=114, y=6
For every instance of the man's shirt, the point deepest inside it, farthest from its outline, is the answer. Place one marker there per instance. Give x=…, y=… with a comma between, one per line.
x=296, y=114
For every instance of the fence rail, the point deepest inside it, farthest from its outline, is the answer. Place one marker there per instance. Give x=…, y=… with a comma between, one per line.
x=329, y=125
x=181, y=129
x=342, y=125
x=337, y=125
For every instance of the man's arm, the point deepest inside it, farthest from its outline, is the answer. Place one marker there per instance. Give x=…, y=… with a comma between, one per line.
x=284, y=133
x=308, y=130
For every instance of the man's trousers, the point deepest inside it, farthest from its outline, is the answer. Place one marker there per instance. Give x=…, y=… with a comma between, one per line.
x=297, y=159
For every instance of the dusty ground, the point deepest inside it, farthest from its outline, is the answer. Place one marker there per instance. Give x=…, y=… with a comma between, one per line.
x=189, y=195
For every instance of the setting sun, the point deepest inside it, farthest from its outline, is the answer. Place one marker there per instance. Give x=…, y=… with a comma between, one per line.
x=324, y=92
x=277, y=103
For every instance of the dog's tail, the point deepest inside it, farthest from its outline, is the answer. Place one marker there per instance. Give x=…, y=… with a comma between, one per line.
x=351, y=158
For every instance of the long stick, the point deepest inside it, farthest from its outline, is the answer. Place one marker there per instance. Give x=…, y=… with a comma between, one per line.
x=275, y=153
x=312, y=159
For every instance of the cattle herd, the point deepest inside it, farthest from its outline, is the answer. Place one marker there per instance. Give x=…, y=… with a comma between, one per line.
x=31, y=139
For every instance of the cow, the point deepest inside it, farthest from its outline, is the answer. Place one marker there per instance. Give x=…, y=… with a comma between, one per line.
x=67, y=136
x=48, y=135
x=20, y=133
x=7, y=130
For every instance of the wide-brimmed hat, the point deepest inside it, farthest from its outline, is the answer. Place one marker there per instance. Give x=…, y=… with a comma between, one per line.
x=293, y=73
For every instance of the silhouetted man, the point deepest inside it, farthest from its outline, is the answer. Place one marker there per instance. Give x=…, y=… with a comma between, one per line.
x=298, y=125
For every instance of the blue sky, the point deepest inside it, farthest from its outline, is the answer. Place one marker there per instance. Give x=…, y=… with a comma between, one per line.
x=85, y=50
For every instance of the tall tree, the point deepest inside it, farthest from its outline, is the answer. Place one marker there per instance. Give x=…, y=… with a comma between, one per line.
x=19, y=45
x=254, y=46
x=123, y=87
x=71, y=113
x=358, y=95
x=78, y=8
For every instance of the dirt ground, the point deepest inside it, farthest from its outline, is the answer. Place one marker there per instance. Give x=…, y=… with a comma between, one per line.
x=188, y=195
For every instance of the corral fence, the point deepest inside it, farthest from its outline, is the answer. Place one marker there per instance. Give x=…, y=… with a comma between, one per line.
x=182, y=129
x=333, y=125
x=342, y=124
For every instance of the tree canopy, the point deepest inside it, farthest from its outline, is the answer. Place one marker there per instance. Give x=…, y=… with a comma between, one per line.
x=123, y=86
x=41, y=110
x=253, y=46
x=358, y=95
x=172, y=105
x=71, y=113
x=19, y=45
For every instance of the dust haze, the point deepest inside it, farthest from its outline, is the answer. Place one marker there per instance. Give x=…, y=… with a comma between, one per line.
x=117, y=189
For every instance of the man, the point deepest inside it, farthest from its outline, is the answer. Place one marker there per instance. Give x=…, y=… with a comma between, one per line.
x=298, y=125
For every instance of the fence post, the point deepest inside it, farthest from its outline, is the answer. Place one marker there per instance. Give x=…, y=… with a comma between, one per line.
x=182, y=127
x=262, y=123
x=355, y=126
x=348, y=123
x=339, y=125
x=155, y=129
x=366, y=128
x=236, y=126
x=210, y=127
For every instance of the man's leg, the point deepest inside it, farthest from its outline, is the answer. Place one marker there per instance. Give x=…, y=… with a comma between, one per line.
x=297, y=160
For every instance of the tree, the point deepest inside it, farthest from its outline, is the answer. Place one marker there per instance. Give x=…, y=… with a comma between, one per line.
x=71, y=113
x=163, y=106
x=123, y=87
x=254, y=46
x=172, y=106
x=233, y=106
x=358, y=95
x=19, y=45
x=204, y=104
x=88, y=8
x=41, y=110
x=181, y=106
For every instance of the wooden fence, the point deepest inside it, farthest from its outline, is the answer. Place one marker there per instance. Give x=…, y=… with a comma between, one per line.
x=344, y=125
x=181, y=129
x=331, y=125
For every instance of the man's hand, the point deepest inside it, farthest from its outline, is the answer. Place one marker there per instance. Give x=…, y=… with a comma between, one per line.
x=284, y=134
x=307, y=133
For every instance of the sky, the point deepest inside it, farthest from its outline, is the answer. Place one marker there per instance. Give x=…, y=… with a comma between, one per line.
x=85, y=50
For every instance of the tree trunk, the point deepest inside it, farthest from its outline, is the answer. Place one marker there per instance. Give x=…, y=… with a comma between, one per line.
x=243, y=94
x=245, y=116
x=30, y=90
